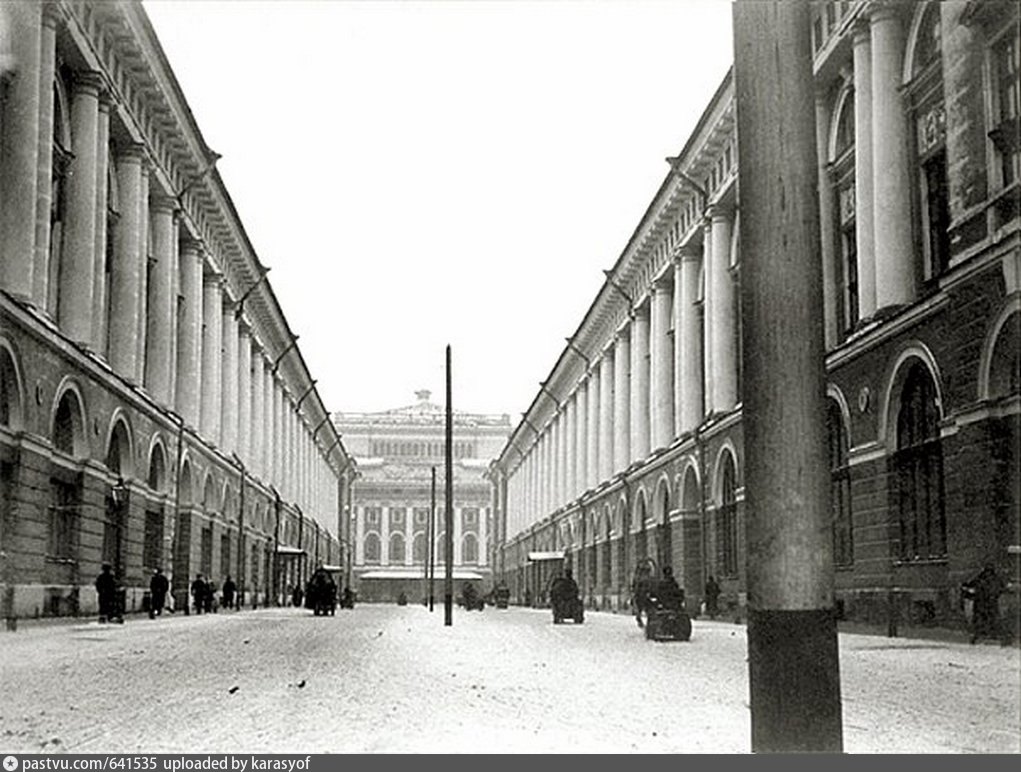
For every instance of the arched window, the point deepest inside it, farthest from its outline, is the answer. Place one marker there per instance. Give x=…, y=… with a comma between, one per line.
x=396, y=548
x=371, y=548
x=67, y=425
x=726, y=519
x=840, y=485
x=665, y=540
x=469, y=549
x=10, y=394
x=118, y=454
x=418, y=546
x=918, y=462
x=1005, y=359
x=605, y=529
x=441, y=551
x=845, y=197
x=157, y=470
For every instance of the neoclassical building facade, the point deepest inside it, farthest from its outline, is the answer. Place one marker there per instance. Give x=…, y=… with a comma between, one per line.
x=155, y=411
x=396, y=451
x=633, y=447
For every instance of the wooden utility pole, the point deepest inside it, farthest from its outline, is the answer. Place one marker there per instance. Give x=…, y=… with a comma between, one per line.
x=794, y=672
x=448, y=512
x=431, y=568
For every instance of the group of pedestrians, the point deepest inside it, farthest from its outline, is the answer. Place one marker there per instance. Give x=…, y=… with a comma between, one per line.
x=203, y=594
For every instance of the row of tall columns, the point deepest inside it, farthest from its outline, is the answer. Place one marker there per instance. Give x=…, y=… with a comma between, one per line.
x=651, y=385
x=882, y=172
x=159, y=321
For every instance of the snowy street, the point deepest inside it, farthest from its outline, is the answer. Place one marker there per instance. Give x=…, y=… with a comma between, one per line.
x=393, y=679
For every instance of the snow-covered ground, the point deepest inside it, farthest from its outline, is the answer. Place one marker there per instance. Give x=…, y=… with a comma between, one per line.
x=394, y=679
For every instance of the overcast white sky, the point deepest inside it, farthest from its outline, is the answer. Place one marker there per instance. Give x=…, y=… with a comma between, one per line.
x=424, y=173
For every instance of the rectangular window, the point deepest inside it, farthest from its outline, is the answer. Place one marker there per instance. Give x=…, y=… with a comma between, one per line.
x=936, y=214
x=63, y=520
x=397, y=517
x=421, y=515
x=849, y=260
x=224, y=555
x=372, y=515
x=152, y=542
x=470, y=517
x=1006, y=70
x=206, y=554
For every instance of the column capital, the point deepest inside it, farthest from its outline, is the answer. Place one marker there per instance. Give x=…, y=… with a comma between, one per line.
x=131, y=152
x=661, y=285
x=213, y=279
x=192, y=246
x=878, y=11
x=53, y=14
x=161, y=203
x=717, y=212
x=88, y=82
x=687, y=252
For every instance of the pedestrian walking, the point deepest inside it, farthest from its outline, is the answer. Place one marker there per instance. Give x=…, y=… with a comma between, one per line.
x=106, y=591
x=712, y=597
x=210, y=597
x=985, y=589
x=158, y=587
x=198, y=593
x=229, y=590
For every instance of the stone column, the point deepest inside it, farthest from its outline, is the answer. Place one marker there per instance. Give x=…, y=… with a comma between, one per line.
x=162, y=301
x=244, y=393
x=276, y=467
x=689, y=341
x=257, y=424
x=622, y=400
x=594, y=425
x=19, y=149
x=827, y=230
x=707, y=318
x=409, y=536
x=212, y=341
x=142, y=302
x=723, y=310
x=661, y=395
x=581, y=442
x=229, y=387
x=77, y=278
x=640, y=384
x=458, y=514
x=892, y=204
x=189, y=334
x=266, y=431
x=571, y=445
x=605, y=416
x=863, y=169
x=99, y=305
x=128, y=265
x=51, y=17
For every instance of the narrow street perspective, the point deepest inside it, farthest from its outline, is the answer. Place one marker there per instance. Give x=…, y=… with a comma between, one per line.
x=392, y=679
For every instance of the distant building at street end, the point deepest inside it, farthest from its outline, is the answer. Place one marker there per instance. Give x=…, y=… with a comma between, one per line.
x=395, y=451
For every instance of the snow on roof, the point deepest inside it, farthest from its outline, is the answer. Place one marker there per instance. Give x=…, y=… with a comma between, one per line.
x=283, y=549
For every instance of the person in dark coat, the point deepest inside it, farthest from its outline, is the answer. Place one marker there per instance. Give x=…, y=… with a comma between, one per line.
x=158, y=588
x=641, y=589
x=106, y=590
x=229, y=590
x=986, y=589
x=209, y=597
x=198, y=593
x=670, y=595
x=712, y=597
